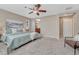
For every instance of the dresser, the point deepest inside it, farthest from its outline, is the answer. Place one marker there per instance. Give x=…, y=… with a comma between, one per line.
x=37, y=30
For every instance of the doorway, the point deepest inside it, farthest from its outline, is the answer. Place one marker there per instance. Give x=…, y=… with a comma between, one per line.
x=66, y=26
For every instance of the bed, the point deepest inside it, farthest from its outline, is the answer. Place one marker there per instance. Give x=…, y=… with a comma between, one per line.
x=14, y=36
x=13, y=41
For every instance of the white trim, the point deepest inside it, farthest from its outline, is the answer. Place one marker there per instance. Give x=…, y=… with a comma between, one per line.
x=51, y=36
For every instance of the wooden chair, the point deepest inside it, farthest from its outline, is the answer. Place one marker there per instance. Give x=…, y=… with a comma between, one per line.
x=71, y=43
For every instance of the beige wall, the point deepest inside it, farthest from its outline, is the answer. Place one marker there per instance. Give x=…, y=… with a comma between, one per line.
x=8, y=15
x=50, y=26
x=76, y=23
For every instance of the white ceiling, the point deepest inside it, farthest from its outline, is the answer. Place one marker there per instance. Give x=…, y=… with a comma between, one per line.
x=52, y=9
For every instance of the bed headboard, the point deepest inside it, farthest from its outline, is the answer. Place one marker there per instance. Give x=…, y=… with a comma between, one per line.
x=12, y=24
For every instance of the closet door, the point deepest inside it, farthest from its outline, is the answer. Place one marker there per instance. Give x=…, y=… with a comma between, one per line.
x=67, y=26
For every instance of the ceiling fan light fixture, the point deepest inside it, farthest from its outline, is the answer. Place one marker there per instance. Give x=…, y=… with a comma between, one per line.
x=68, y=8
x=34, y=11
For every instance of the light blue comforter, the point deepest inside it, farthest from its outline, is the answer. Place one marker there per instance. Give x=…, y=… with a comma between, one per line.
x=15, y=40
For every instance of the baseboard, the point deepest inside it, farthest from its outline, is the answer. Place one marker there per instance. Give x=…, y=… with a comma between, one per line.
x=44, y=35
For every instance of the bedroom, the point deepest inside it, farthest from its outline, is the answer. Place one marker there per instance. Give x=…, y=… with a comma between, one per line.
x=48, y=24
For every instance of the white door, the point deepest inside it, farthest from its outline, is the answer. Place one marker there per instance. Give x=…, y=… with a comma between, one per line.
x=68, y=27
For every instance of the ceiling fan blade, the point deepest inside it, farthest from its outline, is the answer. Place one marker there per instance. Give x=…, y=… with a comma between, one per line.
x=37, y=6
x=38, y=14
x=42, y=11
x=30, y=8
x=30, y=12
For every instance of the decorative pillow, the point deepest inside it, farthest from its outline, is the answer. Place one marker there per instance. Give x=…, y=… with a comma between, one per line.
x=8, y=30
x=19, y=30
x=13, y=30
x=76, y=37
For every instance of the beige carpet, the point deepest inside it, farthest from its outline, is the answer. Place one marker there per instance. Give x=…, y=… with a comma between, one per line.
x=43, y=46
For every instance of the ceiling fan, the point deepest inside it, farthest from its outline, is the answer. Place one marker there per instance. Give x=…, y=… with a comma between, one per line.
x=36, y=9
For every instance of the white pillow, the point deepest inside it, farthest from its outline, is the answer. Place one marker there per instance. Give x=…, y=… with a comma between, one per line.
x=24, y=30
x=13, y=30
x=76, y=37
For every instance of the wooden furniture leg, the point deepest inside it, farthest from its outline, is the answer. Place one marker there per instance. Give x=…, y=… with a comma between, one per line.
x=74, y=51
x=9, y=50
x=71, y=43
x=64, y=42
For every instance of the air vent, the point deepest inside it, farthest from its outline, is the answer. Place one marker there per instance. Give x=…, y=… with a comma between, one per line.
x=68, y=8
